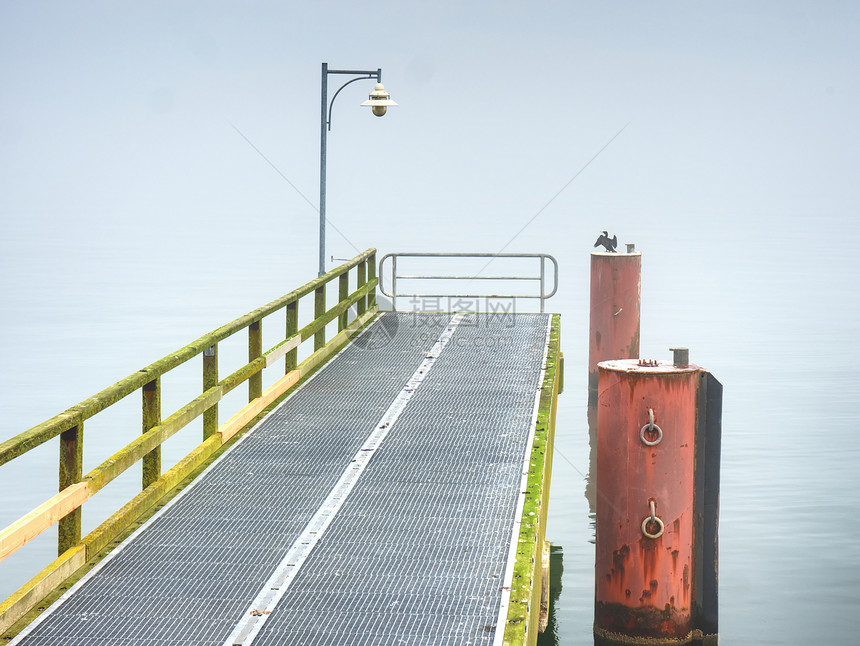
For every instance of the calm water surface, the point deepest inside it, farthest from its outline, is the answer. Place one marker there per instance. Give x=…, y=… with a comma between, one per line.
x=777, y=326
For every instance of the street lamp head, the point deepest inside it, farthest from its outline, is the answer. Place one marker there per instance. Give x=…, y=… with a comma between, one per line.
x=379, y=100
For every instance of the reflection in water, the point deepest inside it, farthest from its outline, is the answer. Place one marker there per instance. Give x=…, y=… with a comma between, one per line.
x=591, y=477
x=556, y=567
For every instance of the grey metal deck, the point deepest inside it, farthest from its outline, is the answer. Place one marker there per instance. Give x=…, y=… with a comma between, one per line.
x=417, y=549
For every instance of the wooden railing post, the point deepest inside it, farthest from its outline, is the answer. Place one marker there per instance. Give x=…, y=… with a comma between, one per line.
x=292, y=328
x=371, y=274
x=319, y=310
x=255, y=350
x=71, y=471
x=210, y=379
x=151, y=417
x=361, y=305
x=342, y=295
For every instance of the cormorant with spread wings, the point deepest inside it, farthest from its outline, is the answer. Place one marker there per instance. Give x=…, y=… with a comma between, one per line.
x=607, y=242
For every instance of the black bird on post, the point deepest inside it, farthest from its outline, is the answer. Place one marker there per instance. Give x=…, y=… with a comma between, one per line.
x=607, y=242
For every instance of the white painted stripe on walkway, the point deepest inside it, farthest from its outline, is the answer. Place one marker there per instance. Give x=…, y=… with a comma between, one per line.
x=274, y=589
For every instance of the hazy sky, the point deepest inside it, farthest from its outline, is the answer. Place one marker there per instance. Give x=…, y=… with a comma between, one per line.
x=115, y=117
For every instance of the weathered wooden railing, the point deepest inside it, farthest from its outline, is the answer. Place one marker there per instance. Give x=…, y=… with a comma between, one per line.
x=76, y=487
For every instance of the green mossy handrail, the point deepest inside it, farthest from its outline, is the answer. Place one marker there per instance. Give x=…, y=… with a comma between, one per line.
x=147, y=445
x=51, y=428
x=154, y=437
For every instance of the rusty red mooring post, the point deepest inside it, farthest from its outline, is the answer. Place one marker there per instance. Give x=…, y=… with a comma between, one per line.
x=613, y=328
x=614, y=319
x=658, y=452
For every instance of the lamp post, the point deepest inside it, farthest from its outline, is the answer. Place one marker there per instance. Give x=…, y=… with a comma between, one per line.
x=379, y=100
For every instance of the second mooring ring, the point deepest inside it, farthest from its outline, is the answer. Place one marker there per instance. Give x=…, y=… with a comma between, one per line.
x=652, y=519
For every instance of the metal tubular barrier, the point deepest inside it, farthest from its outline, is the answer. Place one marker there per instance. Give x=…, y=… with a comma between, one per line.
x=76, y=487
x=541, y=277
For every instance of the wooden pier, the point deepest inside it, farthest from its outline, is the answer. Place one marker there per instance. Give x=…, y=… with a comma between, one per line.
x=392, y=487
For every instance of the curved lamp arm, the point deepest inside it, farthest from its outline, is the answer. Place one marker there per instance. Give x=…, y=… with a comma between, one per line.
x=331, y=104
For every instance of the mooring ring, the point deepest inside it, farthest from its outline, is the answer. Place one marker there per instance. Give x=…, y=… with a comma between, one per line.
x=651, y=428
x=649, y=519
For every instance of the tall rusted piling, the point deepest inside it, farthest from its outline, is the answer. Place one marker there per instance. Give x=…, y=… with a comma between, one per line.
x=614, y=318
x=658, y=452
x=613, y=328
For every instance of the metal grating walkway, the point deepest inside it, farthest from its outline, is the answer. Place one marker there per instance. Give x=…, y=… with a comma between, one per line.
x=375, y=505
